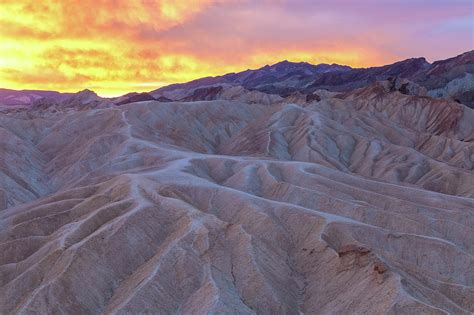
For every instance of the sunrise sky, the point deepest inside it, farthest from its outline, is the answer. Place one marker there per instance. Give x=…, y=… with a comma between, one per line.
x=114, y=47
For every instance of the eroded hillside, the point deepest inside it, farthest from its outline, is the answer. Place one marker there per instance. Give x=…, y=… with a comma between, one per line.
x=359, y=202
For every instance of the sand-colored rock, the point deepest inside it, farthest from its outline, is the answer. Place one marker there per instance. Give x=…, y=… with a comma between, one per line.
x=361, y=203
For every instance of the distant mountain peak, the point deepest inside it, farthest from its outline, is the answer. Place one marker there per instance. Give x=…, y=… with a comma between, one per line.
x=86, y=92
x=84, y=97
x=302, y=68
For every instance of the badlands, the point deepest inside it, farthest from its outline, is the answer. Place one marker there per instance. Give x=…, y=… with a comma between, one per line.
x=291, y=189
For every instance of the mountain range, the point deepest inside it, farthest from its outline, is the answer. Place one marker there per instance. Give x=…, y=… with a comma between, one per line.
x=290, y=189
x=452, y=78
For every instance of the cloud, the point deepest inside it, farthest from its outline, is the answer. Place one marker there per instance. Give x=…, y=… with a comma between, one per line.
x=122, y=45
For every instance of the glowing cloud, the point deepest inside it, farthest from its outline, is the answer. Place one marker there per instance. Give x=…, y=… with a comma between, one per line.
x=119, y=46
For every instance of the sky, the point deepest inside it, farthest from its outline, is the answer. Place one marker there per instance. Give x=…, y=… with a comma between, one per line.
x=118, y=46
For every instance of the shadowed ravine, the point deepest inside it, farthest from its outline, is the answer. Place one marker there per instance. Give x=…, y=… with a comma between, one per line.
x=361, y=203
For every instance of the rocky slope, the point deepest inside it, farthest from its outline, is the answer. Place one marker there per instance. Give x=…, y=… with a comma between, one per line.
x=26, y=97
x=452, y=78
x=345, y=203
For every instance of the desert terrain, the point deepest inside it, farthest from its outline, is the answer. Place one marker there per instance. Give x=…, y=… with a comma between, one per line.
x=291, y=189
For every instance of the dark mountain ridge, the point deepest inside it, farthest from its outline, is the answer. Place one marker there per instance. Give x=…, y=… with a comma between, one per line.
x=451, y=78
x=26, y=97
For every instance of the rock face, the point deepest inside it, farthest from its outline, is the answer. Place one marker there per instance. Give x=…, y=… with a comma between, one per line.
x=357, y=203
x=278, y=73
x=85, y=99
x=26, y=97
x=133, y=98
x=452, y=78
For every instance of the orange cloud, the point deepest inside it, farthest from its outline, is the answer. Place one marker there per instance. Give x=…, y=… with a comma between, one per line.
x=117, y=46
x=70, y=45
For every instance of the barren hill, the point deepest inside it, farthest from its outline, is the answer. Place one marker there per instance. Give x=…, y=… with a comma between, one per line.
x=359, y=202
